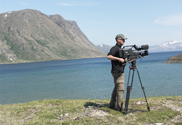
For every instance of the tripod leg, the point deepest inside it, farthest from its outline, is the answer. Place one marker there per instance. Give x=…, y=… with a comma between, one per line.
x=143, y=90
x=128, y=92
x=127, y=98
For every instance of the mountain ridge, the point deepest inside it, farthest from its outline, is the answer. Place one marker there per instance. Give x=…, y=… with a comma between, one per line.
x=30, y=36
x=167, y=46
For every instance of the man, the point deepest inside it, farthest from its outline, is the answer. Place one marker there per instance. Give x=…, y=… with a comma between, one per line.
x=117, y=72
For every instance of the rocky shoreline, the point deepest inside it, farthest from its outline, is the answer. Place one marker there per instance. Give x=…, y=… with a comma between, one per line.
x=175, y=59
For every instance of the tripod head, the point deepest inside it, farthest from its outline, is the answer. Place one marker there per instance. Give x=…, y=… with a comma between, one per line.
x=133, y=64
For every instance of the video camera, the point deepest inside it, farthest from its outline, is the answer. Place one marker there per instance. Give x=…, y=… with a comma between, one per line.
x=132, y=52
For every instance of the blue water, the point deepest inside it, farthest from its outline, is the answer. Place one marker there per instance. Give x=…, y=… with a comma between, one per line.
x=86, y=79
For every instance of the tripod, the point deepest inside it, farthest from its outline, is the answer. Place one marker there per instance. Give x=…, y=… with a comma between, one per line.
x=129, y=87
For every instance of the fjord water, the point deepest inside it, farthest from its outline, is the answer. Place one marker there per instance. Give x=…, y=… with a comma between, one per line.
x=86, y=79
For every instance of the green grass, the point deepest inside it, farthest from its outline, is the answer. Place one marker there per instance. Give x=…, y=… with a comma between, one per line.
x=75, y=112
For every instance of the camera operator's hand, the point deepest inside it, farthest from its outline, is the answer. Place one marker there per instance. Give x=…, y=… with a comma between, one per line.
x=121, y=60
x=126, y=60
x=110, y=57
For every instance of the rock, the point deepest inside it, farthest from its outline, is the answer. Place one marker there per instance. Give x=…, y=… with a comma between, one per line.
x=140, y=102
x=75, y=118
x=66, y=115
x=159, y=123
x=96, y=113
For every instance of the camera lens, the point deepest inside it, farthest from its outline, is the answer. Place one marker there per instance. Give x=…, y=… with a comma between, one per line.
x=144, y=53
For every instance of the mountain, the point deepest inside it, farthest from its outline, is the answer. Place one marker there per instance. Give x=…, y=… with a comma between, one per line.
x=167, y=46
x=30, y=36
x=105, y=48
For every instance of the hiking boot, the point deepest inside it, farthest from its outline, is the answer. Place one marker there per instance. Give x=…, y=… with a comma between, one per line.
x=111, y=107
x=120, y=109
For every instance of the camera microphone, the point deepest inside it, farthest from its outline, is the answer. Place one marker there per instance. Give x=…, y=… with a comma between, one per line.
x=144, y=47
x=136, y=47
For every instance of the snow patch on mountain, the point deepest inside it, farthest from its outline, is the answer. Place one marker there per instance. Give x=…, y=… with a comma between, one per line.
x=167, y=46
x=105, y=48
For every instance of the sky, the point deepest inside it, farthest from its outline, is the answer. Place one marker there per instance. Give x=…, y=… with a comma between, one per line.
x=143, y=22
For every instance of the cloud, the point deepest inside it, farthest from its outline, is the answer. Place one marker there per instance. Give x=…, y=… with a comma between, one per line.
x=77, y=3
x=170, y=20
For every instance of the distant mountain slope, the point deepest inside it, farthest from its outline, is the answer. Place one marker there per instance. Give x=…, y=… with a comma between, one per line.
x=105, y=48
x=164, y=47
x=167, y=46
x=29, y=35
x=74, y=32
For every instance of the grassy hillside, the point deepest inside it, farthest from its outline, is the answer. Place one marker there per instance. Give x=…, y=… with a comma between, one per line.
x=166, y=110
